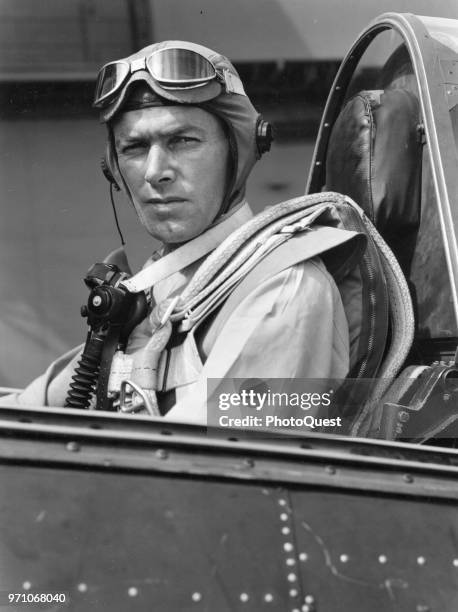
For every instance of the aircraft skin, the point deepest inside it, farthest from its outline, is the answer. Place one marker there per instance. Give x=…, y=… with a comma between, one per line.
x=133, y=514
x=115, y=512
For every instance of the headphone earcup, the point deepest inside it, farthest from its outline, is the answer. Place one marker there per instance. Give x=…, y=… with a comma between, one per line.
x=108, y=174
x=264, y=135
x=109, y=165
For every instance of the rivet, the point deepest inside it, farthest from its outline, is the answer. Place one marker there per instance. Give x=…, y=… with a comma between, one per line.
x=244, y=597
x=337, y=87
x=288, y=547
x=285, y=530
x=421, y=560
x=382, y=559
x=408, y=478
x=290, y=561
x=326, y=125
x=26, y=585
x=268, y=597
x=306, y=608
x=282, y=502
x=309, y=599
x=329, y=469
x=447, y=397
x=107, y=462
x=132, y=591
x=196, y=596
x=293, y=593
x=82, y=587
x=343, y=558
x=318, y=163
x=283, y=516
x=455, y=562
x=422, y=608
x=161, y=453
x=403, y=416
x=295, y=610
x=73, y=447
x=292, y=577
x=303, y=557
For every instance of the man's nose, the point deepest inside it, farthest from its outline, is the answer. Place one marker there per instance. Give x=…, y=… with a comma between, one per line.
x=159, y=167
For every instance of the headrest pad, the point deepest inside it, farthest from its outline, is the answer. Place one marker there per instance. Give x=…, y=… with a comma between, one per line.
x=374, y=156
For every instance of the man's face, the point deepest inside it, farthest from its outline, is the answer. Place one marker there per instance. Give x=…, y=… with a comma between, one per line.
x=174, y=161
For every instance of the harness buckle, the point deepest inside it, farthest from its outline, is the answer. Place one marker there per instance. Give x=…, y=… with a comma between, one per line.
x=134, y=405
x=300, y=226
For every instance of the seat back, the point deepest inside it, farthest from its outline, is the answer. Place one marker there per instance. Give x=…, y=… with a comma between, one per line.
x=375, y=156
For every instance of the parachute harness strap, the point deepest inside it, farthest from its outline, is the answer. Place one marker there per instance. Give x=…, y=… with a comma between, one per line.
x=242, y=250
x=143, y=380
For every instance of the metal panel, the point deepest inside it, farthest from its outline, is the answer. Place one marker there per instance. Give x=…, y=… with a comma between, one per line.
x=124, y=514
x=374, y=553
x=135, y=542
x=101, y=441
x=181, y=543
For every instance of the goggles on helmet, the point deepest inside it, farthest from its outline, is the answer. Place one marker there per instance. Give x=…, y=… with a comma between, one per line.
x=172, y=68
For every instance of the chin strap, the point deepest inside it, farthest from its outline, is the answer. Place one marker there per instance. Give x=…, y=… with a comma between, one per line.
x=189, y=252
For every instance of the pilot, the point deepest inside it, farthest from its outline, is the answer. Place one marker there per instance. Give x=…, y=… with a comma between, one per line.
x=183, y=137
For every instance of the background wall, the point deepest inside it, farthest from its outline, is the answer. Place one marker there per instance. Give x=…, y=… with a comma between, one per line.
x=281, y=29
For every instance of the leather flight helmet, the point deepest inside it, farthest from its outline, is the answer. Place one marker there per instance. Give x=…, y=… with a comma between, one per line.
x=179, y=72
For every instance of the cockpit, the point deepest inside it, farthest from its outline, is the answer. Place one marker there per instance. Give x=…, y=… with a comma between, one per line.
x=388, y=139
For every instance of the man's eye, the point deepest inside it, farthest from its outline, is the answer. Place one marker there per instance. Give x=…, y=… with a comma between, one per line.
x=183, y=140
x=132, y=147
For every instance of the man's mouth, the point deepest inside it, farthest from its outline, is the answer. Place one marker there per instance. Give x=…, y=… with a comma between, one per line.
x=165, y=201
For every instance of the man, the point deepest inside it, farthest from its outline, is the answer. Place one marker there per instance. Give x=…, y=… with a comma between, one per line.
x=182, y=140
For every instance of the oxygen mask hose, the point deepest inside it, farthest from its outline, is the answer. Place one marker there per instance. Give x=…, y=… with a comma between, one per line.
x=86, y=374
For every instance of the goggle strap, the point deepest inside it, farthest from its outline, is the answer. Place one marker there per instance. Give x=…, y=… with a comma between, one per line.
x=233, y=83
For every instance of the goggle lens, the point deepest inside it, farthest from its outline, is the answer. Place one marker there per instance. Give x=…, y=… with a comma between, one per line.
x=180, y=66
x=172, y=68
x=110, y=79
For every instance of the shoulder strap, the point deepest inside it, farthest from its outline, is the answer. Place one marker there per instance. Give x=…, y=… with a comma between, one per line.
x=301, y=247
x=189, y=252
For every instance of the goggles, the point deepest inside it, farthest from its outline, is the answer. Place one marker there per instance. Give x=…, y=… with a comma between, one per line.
x=172, y=69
